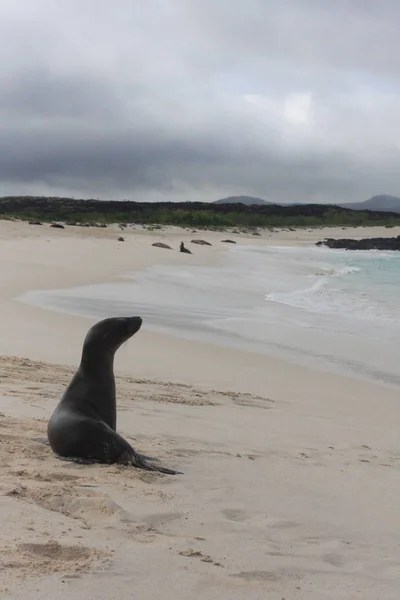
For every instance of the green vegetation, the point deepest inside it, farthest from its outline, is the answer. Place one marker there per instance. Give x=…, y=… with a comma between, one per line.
x=194, y=215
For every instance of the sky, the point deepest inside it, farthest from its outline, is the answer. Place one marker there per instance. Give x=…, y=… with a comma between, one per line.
x=287, y=100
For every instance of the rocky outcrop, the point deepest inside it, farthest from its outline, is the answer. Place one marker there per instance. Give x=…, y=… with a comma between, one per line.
x=381, y=243
x=228, y=241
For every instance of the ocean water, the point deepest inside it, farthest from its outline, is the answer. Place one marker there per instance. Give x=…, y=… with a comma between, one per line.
x=330, y=309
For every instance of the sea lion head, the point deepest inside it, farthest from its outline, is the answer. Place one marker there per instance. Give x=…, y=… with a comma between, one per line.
x=106, y=336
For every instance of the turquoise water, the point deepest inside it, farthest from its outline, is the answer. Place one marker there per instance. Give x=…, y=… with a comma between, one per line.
x=329, y=309
x=358, y=285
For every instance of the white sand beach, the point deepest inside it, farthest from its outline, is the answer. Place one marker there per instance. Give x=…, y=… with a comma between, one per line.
x=291, y=475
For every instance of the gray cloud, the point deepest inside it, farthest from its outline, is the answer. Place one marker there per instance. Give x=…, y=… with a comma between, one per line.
x=170, y=99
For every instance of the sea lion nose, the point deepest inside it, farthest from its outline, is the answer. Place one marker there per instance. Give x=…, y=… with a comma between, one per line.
x=135, y=323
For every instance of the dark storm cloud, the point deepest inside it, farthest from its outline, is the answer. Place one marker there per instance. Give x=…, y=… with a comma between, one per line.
x=295, y=100
x=39, y=93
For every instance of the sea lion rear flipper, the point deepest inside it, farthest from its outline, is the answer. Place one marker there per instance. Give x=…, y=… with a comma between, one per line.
x=106, y=445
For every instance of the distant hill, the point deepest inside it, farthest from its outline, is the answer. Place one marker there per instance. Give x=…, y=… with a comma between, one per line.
x=383, y=202
x=247, y=200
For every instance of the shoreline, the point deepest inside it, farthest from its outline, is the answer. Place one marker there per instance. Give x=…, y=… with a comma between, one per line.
x=235, y=343
x=116, y=259
x=290, y=485
x=95, y=301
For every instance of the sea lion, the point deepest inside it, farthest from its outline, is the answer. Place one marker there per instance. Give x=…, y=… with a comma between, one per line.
x=82, y=427
x=182, y=248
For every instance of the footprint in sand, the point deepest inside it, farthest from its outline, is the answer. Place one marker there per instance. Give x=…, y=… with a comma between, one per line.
x=234, y=514
x=268, y=576
x=54, y=551
x=49, y=477
x=86, y=506
x=38, y=559
x=282, y=524
x=158, y=520
x=336, y=560
x=261, y=520
x=190, y=553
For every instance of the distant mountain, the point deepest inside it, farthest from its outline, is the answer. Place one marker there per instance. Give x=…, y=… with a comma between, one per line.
x=248, y=200
x=383, y=202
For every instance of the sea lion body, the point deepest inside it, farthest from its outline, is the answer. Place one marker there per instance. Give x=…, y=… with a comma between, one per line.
x=83, y=424
x=182, y=248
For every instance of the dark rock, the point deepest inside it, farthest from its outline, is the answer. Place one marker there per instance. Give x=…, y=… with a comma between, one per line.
x=201, y=242
x=57, y=226
x=121, y=239
x=35, y=223
x=381, y=243
x=161, y=245
x=255, y=233
x=183, y=249
x=228, y=241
